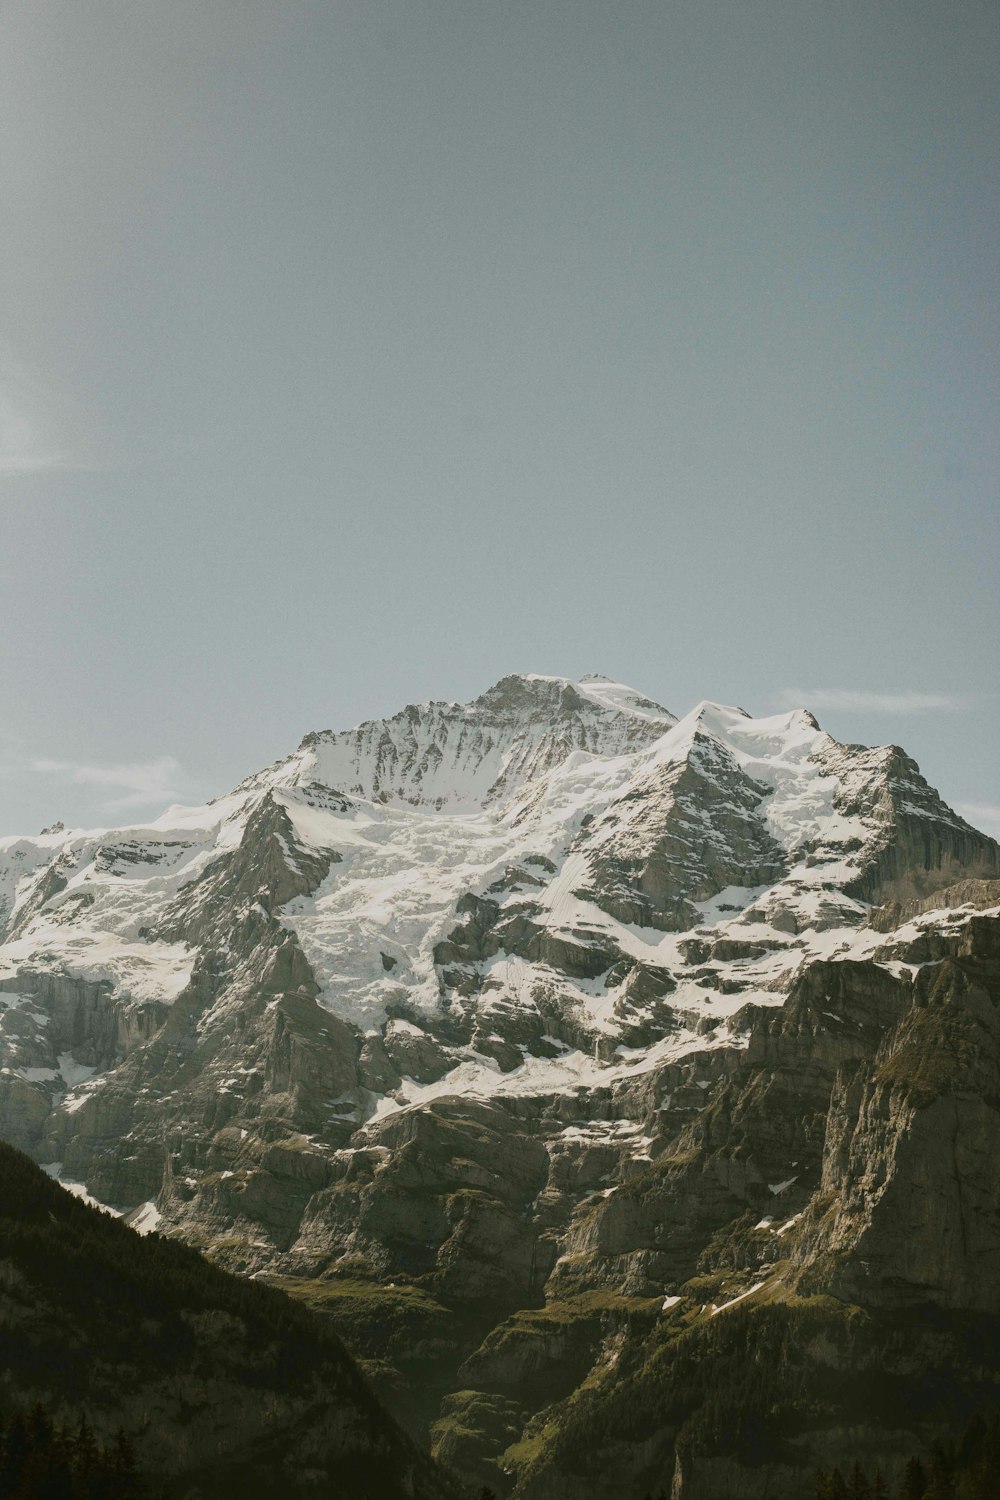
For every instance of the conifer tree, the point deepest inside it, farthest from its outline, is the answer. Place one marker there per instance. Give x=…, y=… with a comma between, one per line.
x=972, y=1442
x=987, y=1473
x=940, y=1481
x=15, y=1452
x=914, y=1481
x=84, y=1454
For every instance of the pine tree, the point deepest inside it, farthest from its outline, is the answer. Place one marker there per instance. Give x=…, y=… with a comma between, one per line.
x=836, y=1487
x=123, y=1478
x=940, y=1481
x=914, y=1481
x=84, y=1456
x=858, y=1487
x=986, y=1474
x=15, y=1453
x=39, y=1429
x=55, y=1480
x=972, y=1441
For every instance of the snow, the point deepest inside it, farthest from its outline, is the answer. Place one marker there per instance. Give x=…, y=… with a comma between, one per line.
x=114, y=883
x=741, y=1298
x=572, y=1070
x=462, y=757
x=617, y=698
x=72, y=1072
x=12, y=1000
x=442, y=800
x=669, y=1302
x=80, y=1080
x=142, y=971
x=78, y=1189
x=145, y=1219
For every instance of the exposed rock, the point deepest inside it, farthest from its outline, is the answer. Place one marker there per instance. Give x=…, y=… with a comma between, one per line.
x=681, y=835
x=909, y=1205
x=923, y=846
x=977, y=893
x=413, y=1053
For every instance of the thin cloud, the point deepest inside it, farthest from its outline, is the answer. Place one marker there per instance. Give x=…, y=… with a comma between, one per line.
x=40, y=428
x=141, y=783
x=858, y=700
x=25, y=448
x=983, y=815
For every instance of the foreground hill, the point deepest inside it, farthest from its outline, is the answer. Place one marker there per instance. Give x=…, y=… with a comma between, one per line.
x=223, y=1386
x=540, y=1041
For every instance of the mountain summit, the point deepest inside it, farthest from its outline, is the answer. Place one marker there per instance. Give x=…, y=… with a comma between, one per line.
x=459, y=756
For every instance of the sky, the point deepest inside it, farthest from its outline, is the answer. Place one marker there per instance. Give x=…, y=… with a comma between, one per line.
x=355, y=354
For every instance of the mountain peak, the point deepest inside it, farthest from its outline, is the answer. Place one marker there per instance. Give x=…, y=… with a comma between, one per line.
x=467, y=756
x=532, y=691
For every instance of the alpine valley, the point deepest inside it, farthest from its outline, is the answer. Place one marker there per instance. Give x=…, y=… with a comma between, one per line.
x=624, y=1089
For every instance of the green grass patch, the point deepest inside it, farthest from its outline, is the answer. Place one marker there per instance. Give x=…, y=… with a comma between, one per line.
x=584, y=1306
x=329, y=1293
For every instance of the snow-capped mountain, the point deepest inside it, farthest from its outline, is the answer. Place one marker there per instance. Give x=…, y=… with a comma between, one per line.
x=532, y=948
x=566, y=856
x=459, y=757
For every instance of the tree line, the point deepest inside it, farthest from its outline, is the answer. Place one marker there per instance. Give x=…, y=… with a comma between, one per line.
x=966, y=1470
x=42, y=1461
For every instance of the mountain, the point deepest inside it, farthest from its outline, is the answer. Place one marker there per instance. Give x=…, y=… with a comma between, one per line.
x=524, y=1038
x=224, y=1386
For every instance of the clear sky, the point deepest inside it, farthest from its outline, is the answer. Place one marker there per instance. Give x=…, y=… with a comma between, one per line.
x=356, y=353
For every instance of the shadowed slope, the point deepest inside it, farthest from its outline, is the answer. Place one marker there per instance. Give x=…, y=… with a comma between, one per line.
x=226, y=1387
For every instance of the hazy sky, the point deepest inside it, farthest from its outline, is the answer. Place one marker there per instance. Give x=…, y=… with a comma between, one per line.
x=358, y=353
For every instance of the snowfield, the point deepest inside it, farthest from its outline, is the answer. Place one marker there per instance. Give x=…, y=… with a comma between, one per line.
x=522, y=802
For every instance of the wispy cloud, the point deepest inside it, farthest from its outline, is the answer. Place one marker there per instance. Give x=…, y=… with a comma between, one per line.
x=984, y=815
x=141, y=783
x=41, y=428
x=859, y=700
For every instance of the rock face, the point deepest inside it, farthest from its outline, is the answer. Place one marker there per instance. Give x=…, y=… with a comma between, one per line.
x=543, y=1041
x=911, y=1170
x=463, y=756
x=687, y=830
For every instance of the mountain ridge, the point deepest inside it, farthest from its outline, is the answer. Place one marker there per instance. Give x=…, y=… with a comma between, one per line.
x=476, y=1021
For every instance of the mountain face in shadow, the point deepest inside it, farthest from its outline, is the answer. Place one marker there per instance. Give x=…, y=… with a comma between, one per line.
x=224, y=1387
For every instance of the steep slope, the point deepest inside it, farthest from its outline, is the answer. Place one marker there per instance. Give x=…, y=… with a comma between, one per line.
x=224, y=1387
x=852, y=1308
x=488, y=1027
